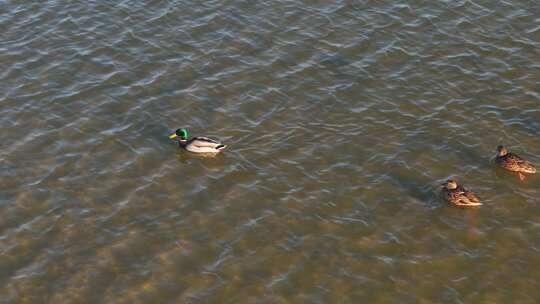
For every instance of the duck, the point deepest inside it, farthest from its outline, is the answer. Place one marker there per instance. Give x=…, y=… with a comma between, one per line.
x=199, y=144
x=513, y=162
x=458, y=195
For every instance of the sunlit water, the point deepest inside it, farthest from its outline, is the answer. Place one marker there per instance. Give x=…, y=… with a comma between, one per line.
x=342, y=118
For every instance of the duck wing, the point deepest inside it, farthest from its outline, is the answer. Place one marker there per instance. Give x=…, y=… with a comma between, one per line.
x=204, y=145
x=204, y=142
x=463, y=197
x=514, y=162
x=471, y=196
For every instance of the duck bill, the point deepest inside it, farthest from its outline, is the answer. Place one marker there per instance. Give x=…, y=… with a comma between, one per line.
x=172, y=136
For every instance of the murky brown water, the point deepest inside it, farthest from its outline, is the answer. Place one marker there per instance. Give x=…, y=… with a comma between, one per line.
x=341, y=118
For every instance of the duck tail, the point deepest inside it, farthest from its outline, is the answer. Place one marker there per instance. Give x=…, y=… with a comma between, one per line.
x=221, y=147
x=529, y=169
x=475, y=204
x=469, y=204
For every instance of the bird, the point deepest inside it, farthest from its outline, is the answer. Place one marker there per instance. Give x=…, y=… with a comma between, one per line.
x=199, y=144
x=513, y=162
x=458, y=195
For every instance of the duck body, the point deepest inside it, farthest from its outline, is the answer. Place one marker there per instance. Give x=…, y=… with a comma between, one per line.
x=513, y=162
x=199, y=144
x=459, y=196
x=202, y=145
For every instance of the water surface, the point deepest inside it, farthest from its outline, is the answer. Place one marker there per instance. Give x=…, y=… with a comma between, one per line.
x=342, y=117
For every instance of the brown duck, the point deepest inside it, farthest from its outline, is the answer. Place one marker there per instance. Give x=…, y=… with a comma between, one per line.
x=458, y=195
x=513, y=162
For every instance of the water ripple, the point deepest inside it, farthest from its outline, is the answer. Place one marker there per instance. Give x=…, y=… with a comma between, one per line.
x=341, y=120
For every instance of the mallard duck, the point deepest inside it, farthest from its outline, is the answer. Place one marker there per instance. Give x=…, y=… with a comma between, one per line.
x=513, y=162
x=203, y=145
x=458, y=195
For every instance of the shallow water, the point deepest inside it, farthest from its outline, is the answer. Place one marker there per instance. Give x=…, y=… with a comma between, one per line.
x=342, y=118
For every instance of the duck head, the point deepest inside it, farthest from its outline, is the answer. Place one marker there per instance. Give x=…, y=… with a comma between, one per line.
x=501, y=151
x=182, y=135
x=449, y=184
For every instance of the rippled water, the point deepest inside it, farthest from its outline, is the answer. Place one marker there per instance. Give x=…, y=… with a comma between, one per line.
x=341, y=117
